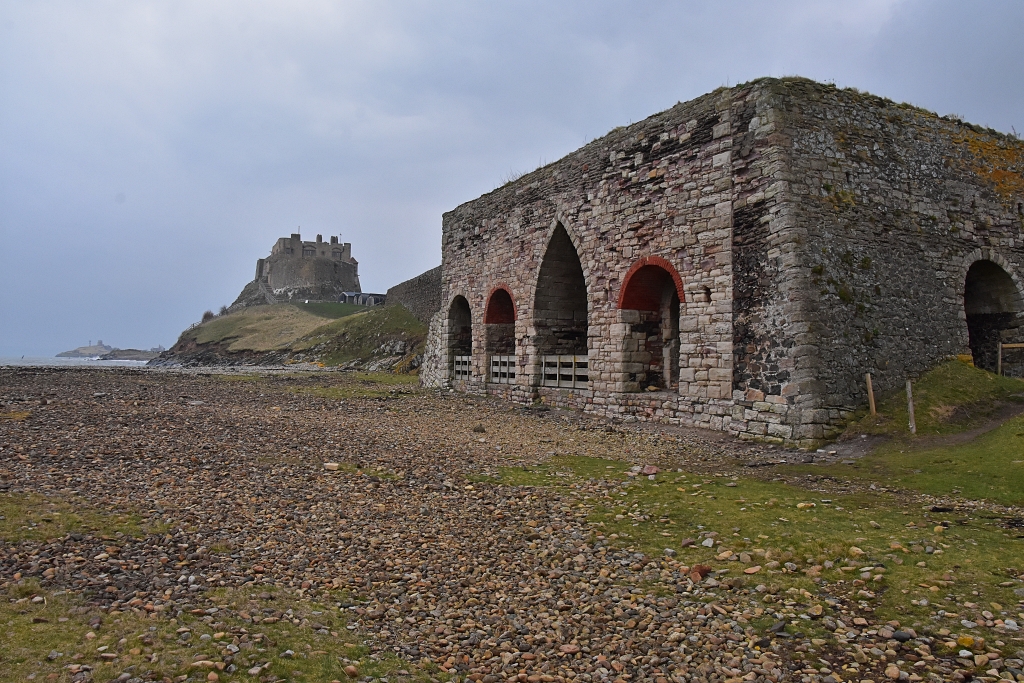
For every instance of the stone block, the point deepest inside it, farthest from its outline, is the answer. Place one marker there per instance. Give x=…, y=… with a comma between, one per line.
x=629, y=316
x=809, y=431
x=780, y=430
x=753, y=395
x=814, y=416
x=757, y=428
x=720, y=375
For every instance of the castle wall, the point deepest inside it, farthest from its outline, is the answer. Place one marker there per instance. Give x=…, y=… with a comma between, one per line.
x=421, y=294
x=311, y=278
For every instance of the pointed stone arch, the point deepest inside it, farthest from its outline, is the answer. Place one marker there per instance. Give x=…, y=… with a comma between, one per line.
x=561, y=303
x=501, y=306
x=642, y=278
x=459, y=337
x=500, y=315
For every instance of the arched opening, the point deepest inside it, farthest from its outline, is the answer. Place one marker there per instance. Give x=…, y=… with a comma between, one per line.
x=652, y=288
x=560, y=315
x=460, y=338
x=500, y=336
x=501, y=310
x=991, y=302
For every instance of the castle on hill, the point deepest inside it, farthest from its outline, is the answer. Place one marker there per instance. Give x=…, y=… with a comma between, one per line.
x=300, y=270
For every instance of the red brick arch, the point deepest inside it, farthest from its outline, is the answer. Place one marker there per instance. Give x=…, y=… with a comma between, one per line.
x=644, y=282
x=500, y=309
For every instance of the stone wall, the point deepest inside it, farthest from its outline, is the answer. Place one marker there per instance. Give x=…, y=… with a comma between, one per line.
x=796, y=256
x=421, y=294
x=315, y=278
x=662, y=188
x=896, y=204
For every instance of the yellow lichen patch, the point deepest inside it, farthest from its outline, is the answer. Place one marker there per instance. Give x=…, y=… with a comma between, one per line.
x=15, y=415
x=1000, y=161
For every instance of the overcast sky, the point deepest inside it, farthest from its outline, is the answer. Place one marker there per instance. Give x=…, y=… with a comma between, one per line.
x=150, y=152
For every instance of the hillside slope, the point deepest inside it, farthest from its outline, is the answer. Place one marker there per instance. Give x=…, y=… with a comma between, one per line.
x=376, y=338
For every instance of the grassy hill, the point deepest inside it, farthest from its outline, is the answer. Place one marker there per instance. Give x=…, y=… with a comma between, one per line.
x=969, y=440
x=266, y=328
x=330, y=333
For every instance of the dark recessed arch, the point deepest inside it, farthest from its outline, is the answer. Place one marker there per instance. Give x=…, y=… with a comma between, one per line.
x=653, y=289
x=501, y=306
x=460, y=337
x=645, y=282
x=560, y=300
x=500, y=322
x=992, y=304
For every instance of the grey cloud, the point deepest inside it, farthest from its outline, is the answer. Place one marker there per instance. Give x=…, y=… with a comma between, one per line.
x=226, y=125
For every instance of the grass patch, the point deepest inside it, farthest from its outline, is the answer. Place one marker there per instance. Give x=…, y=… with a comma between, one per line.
x=259, y=328
x=354, y=333
x=37, y=518
x=900, y=562
x=989, y=467
x=44, y=633
x=329, y=309
x=951, y=398
x=361, y=336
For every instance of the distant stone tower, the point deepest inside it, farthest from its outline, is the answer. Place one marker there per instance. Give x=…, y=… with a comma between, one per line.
x=301, y=270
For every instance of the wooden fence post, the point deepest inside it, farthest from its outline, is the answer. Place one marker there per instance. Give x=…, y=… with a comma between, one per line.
x=999, y=357
x=910, y=408
x=871, y=393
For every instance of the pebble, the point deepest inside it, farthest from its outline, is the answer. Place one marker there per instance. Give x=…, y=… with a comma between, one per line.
x=483, y=580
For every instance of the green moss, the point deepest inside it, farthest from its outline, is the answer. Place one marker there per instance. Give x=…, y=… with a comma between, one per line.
x=328, y=309
x=359, y=336
x=951, y=398
x=59, y=623
x=37, y=517
x=770, y=521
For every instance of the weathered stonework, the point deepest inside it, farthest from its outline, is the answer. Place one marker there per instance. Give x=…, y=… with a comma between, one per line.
x=300, y=269
x=421, y=294
x=740, y=261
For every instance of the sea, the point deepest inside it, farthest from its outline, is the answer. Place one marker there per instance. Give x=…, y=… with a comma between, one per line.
x=43, y=361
